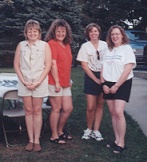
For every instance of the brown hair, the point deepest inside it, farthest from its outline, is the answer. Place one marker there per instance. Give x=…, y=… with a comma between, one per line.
x=32, y=24
x=89, y=28
x=51, y=31
x=125, y=39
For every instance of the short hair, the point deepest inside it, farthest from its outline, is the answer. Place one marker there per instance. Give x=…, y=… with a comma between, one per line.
x=89, y=28
x=51, y=31
x=125, y=39
x=32, y=24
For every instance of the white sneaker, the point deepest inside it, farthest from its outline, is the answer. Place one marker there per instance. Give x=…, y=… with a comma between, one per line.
x=87, y=134
x=97, y=135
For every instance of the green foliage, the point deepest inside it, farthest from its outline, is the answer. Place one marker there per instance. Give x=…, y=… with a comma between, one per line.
x=78, y=13
x=16, y=13
x=109, y=12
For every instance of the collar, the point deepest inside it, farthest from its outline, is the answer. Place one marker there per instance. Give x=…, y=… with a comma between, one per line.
x=35, y=44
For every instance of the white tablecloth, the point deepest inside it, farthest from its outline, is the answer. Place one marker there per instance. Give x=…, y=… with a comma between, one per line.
x=8, y=81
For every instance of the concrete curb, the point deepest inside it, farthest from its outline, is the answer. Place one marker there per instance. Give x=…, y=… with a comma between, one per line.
x=140, y=74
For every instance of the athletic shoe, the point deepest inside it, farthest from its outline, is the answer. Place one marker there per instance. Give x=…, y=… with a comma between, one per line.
x=87, y=134
x=97, y=136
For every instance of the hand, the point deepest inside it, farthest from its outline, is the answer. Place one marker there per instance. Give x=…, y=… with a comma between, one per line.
x=113, y=89
x=70, y=85
x=106, y=89
x=31, y=86
x=27, y=84
x=57, y=87
x=34, y=85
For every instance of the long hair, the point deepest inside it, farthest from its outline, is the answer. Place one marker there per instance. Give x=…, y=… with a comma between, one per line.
x=51, y=31
x=32, y=24
x=125, y=39
x=89, y=27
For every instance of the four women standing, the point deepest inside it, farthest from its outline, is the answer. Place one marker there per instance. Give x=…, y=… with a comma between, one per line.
x=33, y=62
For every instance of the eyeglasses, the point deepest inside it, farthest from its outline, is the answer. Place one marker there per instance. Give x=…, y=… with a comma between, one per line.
x=98, y=55
x=117, y=34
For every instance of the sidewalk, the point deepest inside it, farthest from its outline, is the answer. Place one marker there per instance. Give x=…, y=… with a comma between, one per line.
x=137, y=106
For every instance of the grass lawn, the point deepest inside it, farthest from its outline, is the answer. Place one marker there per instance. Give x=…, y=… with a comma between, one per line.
x=78, y=150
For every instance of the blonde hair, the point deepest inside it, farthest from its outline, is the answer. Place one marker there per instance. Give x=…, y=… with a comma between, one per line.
x=32, y=24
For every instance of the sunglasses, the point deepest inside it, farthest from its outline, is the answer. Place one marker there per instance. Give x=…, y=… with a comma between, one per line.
x=98, y=55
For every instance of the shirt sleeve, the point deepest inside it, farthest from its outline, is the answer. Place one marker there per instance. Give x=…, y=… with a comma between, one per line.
x=82, y=54
x=129, y=56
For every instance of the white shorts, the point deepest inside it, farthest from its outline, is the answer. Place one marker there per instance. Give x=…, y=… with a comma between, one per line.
x=40, y=91
x=63, y=92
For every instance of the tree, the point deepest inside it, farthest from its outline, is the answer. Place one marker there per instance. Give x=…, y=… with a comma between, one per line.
x=109, y=12
x=144, y=15
x=15, y=13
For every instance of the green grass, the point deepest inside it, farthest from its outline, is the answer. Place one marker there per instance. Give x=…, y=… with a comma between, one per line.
x=78, y=150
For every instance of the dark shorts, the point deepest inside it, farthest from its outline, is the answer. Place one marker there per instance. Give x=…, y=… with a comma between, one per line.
x=90, y=86
x=123, y=93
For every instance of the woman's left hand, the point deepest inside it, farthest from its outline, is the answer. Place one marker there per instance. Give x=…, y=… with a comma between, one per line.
x=113, y=89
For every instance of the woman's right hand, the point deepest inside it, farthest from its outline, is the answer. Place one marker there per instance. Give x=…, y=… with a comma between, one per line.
x=106, y=89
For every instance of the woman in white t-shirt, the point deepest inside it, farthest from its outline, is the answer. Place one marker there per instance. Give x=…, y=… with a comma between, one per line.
x=117, y=72
x=90, y=56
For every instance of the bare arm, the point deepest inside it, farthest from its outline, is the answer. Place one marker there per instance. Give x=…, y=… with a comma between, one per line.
x=43, y=75
x=54, y=71
x=127, y=69
x=89, y=72
x=106, y=89
x=48, y=60
x=17, y=66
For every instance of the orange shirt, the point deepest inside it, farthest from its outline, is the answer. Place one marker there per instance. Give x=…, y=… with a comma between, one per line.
x=63, y=59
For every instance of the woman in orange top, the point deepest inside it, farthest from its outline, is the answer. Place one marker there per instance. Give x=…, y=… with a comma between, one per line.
x=59, y=39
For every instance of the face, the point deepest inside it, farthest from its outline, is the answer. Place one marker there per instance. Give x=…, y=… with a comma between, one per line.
x=116, y=37
x=60, y=33
x=33, y=34
x=94, y=34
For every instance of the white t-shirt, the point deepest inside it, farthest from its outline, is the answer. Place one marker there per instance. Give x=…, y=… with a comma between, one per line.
x=87, y=53
x=114, y=62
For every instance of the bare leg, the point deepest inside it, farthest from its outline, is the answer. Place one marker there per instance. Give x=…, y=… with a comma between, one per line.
x=120, y=121
x=111, y=105
x=67, y=108
x=55, y=114
x=37, y=108
x=29, y=117
x=98, y=112
x=90, y=111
